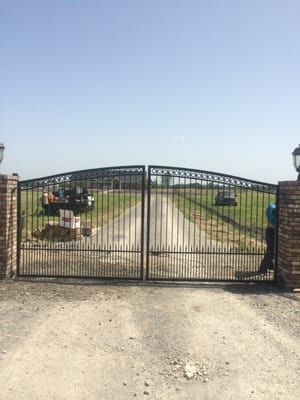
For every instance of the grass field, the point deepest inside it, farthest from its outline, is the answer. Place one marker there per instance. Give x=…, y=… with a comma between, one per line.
x=237, y=227
x=240, y=226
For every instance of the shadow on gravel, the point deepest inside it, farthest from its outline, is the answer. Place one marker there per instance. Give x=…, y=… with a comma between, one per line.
x=241, y=288
x=233, y=287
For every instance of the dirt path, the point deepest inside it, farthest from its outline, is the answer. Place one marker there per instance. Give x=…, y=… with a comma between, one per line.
x=124, y=341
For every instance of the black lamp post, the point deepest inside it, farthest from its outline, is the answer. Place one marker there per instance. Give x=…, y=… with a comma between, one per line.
x=296, y=159
x=2, y=147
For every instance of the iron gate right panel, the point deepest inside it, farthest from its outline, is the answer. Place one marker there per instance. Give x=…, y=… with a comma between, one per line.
x=205, y=226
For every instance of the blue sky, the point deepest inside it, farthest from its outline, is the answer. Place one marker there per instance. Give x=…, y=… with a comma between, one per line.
x=212, y=85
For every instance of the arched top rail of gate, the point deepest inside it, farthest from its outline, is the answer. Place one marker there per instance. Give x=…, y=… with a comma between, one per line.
x=153, y=170
x=138, y=170
x=213, y=177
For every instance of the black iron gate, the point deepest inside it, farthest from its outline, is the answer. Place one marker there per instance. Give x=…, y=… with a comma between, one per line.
x=86, y=224
x=205, y=226
x=171, y=224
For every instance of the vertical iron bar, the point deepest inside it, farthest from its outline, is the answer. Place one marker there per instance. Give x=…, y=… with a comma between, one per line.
x=148, y=221
x=142, y=226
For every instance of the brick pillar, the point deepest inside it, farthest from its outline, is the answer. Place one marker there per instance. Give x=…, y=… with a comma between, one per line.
x=8, y=225
x=289, y=234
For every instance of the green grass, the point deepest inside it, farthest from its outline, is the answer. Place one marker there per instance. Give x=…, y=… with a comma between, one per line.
x=238, y=226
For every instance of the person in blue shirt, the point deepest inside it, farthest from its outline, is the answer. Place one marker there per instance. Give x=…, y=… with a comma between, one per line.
x=268, y=260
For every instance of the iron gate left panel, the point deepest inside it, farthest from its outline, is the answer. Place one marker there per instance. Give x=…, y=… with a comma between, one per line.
x=83, y=224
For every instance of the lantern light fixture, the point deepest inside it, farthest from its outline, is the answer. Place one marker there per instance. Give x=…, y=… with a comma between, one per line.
x=2, y=147
x=296, y=160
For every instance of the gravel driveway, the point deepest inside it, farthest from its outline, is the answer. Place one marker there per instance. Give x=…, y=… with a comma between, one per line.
x=93, y=340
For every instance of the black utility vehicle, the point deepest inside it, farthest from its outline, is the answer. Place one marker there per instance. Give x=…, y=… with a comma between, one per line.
x=226, y=197
x=77, y=200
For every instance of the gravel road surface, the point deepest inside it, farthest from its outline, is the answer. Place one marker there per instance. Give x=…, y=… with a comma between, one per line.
x=94, y=340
